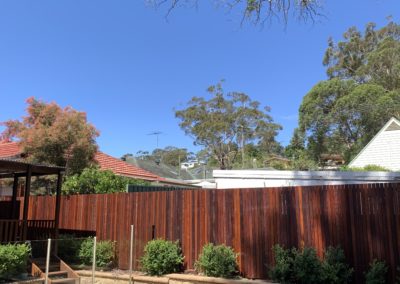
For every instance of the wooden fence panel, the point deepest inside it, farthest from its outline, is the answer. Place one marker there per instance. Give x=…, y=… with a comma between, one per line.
x=363, y=219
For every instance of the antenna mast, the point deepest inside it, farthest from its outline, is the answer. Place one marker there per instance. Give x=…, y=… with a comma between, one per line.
x=156, y=133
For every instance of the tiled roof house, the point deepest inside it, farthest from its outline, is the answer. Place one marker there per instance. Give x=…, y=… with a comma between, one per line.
x=11, y=150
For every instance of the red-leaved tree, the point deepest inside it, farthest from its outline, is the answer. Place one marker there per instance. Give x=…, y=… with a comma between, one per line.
x=53, y=135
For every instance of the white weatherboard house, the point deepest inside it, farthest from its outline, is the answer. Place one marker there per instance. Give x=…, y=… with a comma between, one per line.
x=383, y=150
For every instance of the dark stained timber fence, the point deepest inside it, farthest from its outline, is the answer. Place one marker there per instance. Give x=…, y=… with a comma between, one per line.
x=363, y=219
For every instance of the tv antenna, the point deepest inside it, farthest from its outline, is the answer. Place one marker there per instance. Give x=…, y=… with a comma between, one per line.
x=156, y=133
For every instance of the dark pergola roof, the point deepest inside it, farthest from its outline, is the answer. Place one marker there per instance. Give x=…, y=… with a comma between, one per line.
x=12, y=168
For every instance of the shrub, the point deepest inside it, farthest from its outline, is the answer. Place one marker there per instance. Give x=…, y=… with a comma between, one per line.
x=376, y=273
x=105, y=253
x=367, y=168
x=94, y=180
x=217, y=261
x=283, y=271
x=335, y=268
x=304, y=266
x=13, y=259
x=307, y=266
x=161, y=257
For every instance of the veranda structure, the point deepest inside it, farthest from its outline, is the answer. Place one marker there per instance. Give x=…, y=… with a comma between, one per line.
x=13, y=225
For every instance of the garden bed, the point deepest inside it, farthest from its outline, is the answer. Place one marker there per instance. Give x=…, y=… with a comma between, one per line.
x=25, y=281
x=120, y=277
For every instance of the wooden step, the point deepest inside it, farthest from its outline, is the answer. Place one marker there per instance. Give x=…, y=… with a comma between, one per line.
x=65, y=280
x=52, y=267
x=42, y=262
x=58, y=274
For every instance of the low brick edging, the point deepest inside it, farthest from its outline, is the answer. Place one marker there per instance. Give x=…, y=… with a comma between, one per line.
x=108, y=277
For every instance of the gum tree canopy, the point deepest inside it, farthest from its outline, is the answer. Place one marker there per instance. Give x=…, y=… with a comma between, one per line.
x=226, y=122
x=342, y=114
x=53, y=135
x=258, y=11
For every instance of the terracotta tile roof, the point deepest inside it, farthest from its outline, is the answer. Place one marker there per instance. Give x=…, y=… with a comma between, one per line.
x=106, y=162
x=9, y=149
x=119, y=167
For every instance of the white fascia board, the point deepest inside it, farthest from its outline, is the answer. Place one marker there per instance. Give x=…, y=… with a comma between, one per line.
x=306, y=175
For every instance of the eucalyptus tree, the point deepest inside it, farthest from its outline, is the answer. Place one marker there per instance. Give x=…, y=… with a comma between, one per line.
x=226, y=122
x=340, y=115
x=257, y=11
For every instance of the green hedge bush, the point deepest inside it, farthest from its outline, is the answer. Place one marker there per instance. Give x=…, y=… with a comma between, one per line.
x=335, y=268
x=217, y=261
x=13, y=259
x=283, y=270
x=308, y=267
x=377, y=272
x=105, y=253
x=95, y=180
x=162, y=257
x=304, y=266
x=367, y=168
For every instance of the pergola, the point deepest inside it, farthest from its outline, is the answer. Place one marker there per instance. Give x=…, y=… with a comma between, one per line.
x=14, y=228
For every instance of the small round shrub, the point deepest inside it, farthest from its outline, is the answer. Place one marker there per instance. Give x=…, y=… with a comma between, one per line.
x=335, y=268
x=377, y=272
x=13, y=259
x=105, y=253
x=217, y=261
x=307, y=267
x=162, y=257
x=86, y=252
x=283, y=270
x=304, y=266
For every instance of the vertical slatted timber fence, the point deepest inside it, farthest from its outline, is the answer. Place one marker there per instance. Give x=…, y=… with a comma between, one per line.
x=363, y=219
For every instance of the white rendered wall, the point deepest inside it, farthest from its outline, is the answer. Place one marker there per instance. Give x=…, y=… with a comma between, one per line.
x=261, y=178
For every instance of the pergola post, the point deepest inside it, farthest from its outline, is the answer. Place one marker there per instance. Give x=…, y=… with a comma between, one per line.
x=14, y=198
x=26, y=200
x=58, y=204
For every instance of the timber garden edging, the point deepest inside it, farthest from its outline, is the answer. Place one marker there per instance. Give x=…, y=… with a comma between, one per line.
x=110, y=278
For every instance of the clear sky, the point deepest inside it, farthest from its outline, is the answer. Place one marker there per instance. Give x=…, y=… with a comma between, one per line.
x=128, y=68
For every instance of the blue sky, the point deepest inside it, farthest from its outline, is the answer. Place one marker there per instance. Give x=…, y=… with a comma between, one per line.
x=128, y=68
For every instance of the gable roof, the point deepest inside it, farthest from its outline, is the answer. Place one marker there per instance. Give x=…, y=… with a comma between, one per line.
x=392, y=125
x=119, y=167
x=106, y=162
